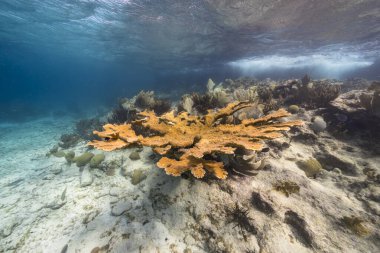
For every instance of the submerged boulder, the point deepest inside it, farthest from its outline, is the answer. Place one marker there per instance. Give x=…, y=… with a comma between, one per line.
x=56, y=168
x=134, y=156
x=86, y=177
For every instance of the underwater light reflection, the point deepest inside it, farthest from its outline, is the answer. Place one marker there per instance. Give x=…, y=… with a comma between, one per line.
x=328, y=65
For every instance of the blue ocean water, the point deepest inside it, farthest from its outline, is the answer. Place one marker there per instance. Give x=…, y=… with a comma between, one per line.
x=84, y=52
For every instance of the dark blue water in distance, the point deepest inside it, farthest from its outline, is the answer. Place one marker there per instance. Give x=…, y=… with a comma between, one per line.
x=78, y=54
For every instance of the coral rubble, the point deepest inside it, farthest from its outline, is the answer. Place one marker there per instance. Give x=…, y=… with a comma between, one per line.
x=193, y=143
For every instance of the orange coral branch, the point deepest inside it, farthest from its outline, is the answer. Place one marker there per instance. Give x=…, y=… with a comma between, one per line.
x=191, y=138
x=116, y=136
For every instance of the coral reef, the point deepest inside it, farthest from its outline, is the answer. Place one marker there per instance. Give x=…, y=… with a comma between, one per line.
x=370, y=100
x=146, y=100
x=355, y=84
x=130, y=205
x=356, y=113
x=69, y=140
x=306, y=79
x=83, y=131
x=191, y=143
x=85, y=127
x=321, y=93
x=242, y=82
x=270, y=95
x=313, y=94
x=197, y=103
x=120, y=115
x=128, y=109
x=217, y=96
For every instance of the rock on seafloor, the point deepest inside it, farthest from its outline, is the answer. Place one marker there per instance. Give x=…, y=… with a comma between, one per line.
x=86, y=177
x=56, y=168
x=9, y=227
x=137, y=176
x=121, y=207
x=134, y=156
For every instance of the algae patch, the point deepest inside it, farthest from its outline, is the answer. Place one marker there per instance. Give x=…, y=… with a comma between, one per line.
x=355, y=224
x=287, y=187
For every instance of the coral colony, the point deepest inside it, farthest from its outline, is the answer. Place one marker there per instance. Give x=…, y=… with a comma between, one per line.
x=193, y=143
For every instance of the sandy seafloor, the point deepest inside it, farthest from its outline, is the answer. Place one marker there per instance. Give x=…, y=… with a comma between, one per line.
x=43, y=207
